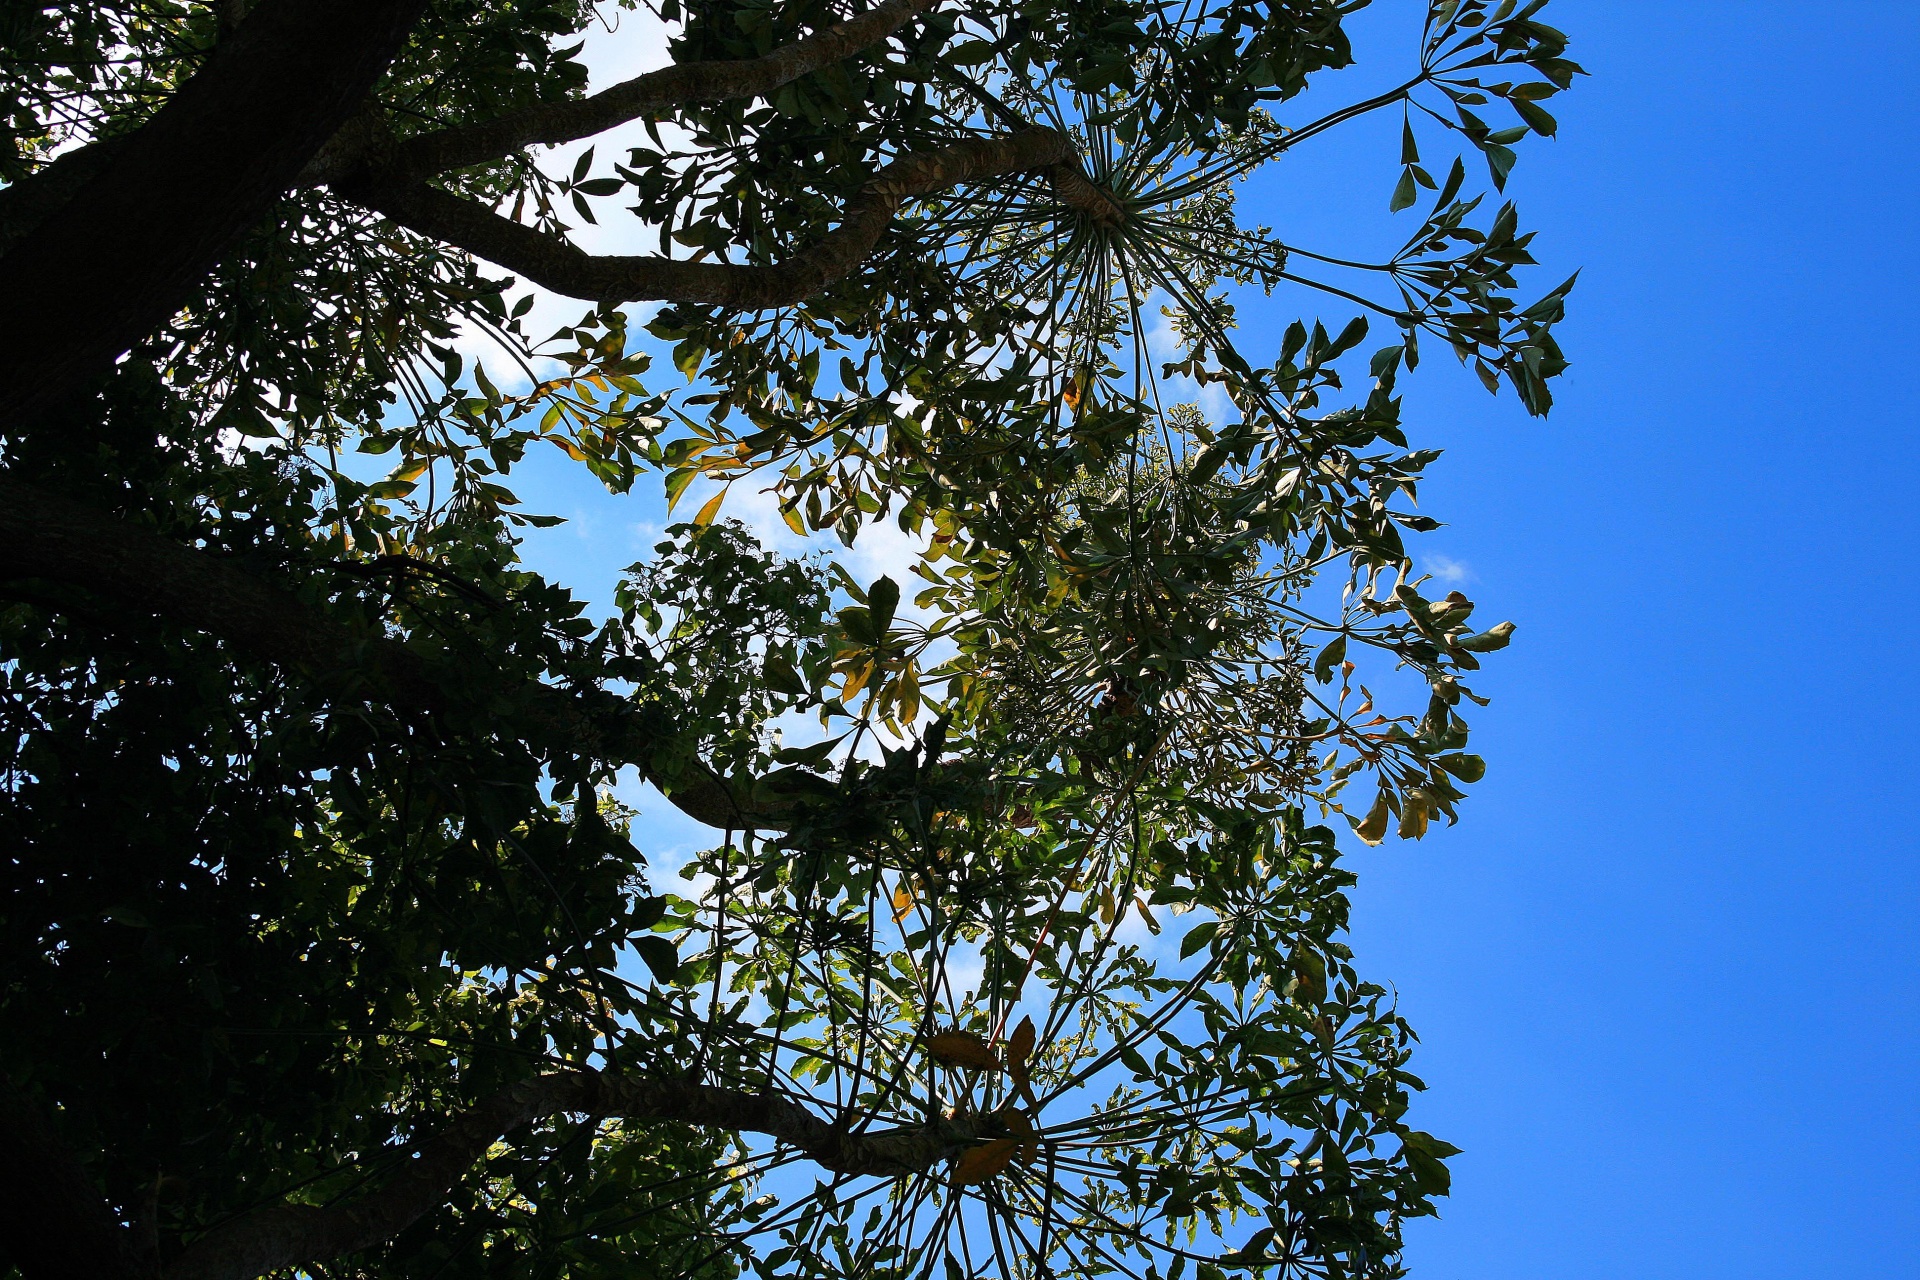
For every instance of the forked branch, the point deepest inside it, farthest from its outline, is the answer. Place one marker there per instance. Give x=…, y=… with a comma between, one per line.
x=556, y=264
x=647, y=96
x=136, y=235
x=287, y=1236
x=46, y=536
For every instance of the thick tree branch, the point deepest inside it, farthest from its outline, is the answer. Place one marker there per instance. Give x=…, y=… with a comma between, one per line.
x=287, y=1236
x=26, y=204
x=44, y=535
x=53, y=1223
x=1077, y=191
x=128, y=245
x=650, y=95
x=555, y=264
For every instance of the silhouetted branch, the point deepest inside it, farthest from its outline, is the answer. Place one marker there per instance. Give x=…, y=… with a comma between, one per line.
x=554, y=263
x=54, y=1225
x=47, y=536
x=650, y=95
x=128, y=244
x=286, y=1236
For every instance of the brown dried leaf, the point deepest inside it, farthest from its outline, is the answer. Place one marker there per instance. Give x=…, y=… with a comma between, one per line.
x=1019, y=1049
x=963, y=1048
x=1021, y=1127
x=981, y=1163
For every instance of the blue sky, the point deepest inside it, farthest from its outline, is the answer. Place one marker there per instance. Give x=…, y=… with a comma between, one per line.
x=1664, y=969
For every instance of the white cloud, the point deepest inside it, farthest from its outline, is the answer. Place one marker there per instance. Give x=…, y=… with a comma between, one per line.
x=1163, y=344
x=881, y=548
x=625, y=43
x=1447, y=569
x=628, y=43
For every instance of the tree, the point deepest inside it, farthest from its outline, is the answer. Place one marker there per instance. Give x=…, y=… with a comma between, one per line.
x=328, y=951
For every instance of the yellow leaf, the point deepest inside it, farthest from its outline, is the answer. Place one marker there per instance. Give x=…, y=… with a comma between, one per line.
x=1019, y=1049
x=963, y=1048
x=792, y=516
x=981, y=1163
x=856, y=680
x=708, y=512
x=1414, y=813
x=1373, y=828
x=902, y=903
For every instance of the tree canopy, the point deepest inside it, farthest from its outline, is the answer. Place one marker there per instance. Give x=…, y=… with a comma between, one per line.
x=328, y=949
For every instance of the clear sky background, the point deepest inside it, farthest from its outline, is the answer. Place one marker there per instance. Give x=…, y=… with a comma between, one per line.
x=1664, y=970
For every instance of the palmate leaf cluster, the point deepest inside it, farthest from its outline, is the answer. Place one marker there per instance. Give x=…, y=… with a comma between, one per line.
x=1065, y=798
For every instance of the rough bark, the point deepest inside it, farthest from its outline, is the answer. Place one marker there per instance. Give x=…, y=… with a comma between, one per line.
x=54, y=1225
x=288, y=1235
x=101, y=272
x=1075, y=190
x=556, y=264
x=683, y=85
x=46, y=536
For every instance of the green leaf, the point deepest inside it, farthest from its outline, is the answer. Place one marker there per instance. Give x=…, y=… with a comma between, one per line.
x=677, y=482
x=1467, y=768
x=968, y=53
x=1254, y=1249
x=782, y=675
x=810, y=756
x=1416, y=811
x=1438, y=1148
x=1494, y=637
x=660, y=955
x=1424, y=1154
x=1207, y=463
x=1330, y=659
x=1536, y=117
x=883, y=597
x=1350, y=337
x=687, y=356
x=1500, y=162
x=1403, y=193
x=647, y=912
x=1197, y=937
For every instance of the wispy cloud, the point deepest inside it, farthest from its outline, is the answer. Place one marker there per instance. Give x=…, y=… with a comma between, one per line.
x=1163, y=345
x=631, y=43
